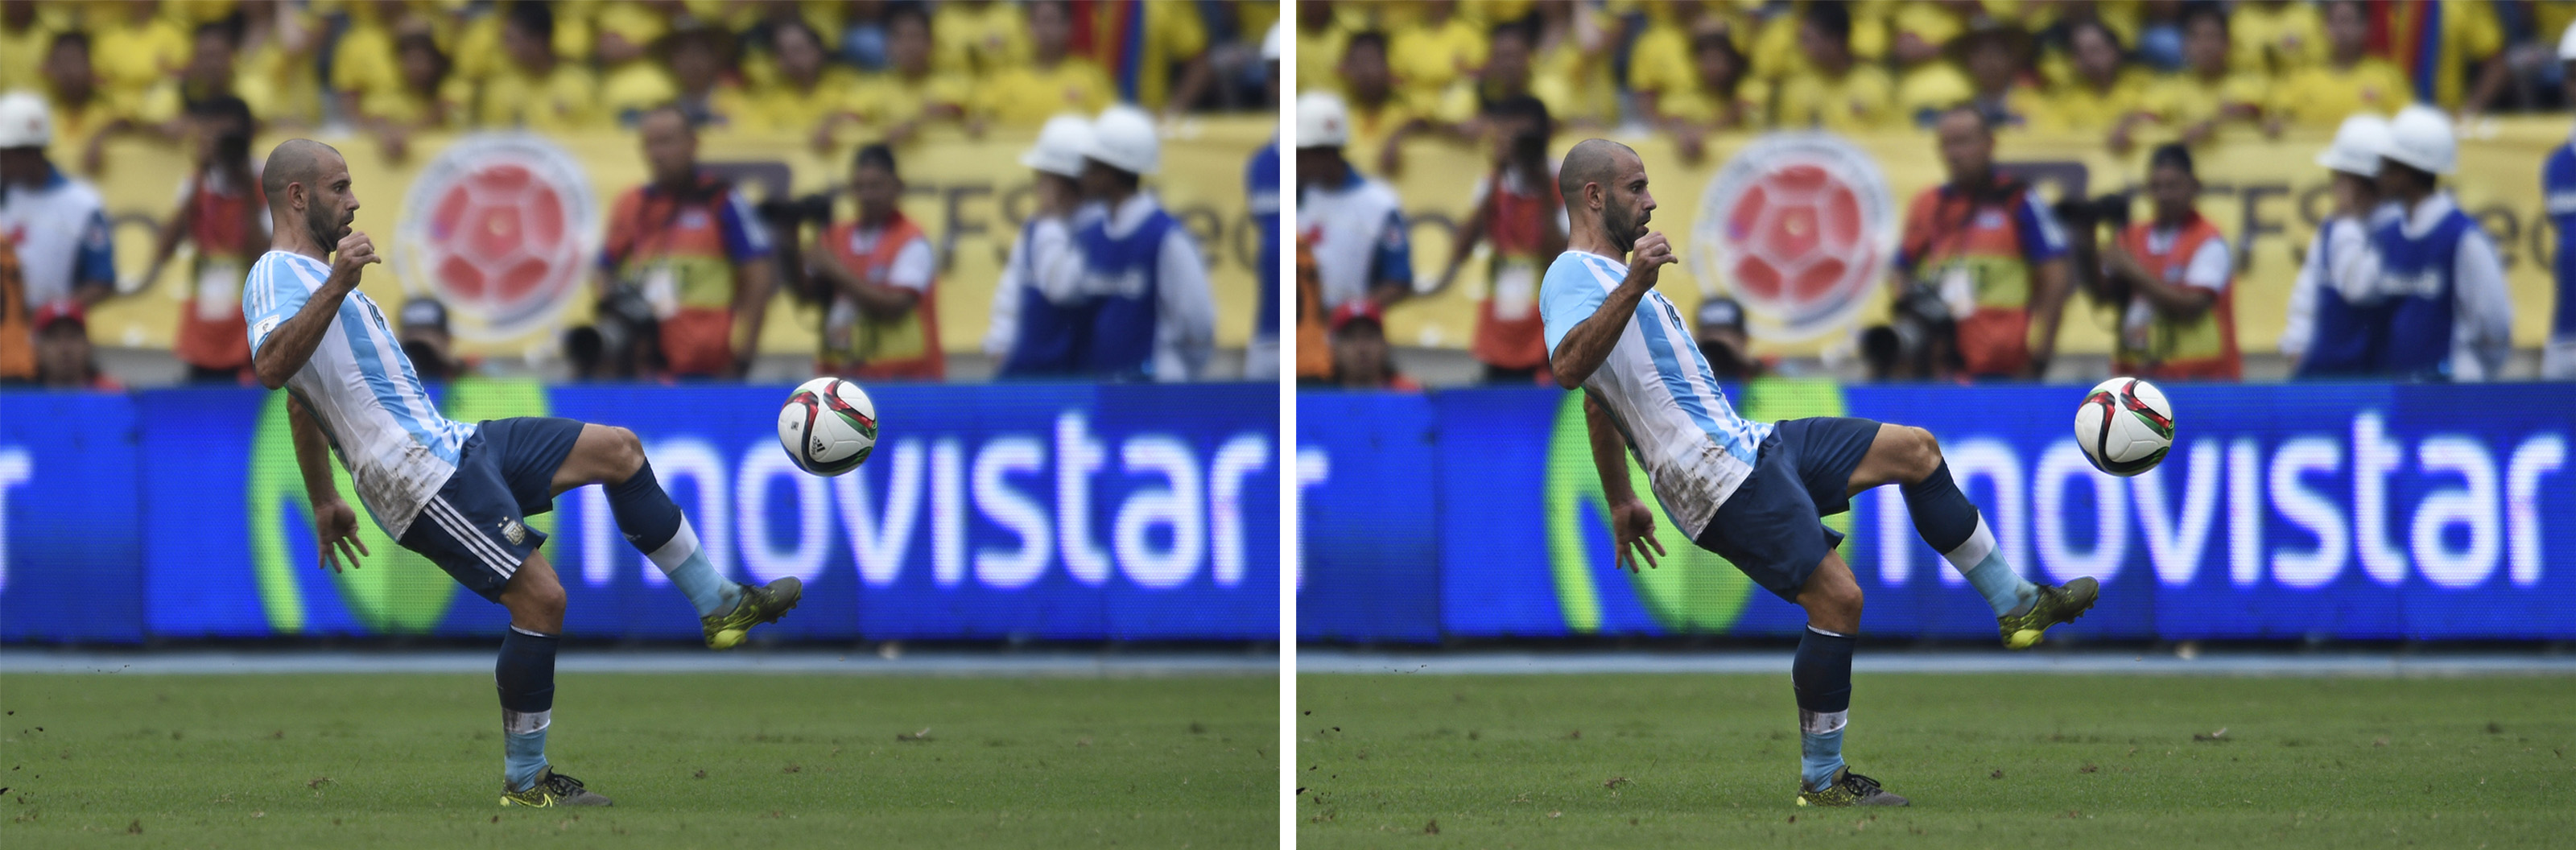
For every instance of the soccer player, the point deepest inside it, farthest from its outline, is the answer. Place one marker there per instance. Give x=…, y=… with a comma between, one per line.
x=1752, y=492
x=454, y=492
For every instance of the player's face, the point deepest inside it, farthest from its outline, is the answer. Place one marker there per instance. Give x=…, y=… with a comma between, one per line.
x=331, y=205
x=1626, y=205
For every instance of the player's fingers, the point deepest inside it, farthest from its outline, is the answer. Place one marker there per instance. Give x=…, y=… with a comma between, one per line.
x=362, y=544
x=1651, y=541
x=1648, y=556
x=349, y=550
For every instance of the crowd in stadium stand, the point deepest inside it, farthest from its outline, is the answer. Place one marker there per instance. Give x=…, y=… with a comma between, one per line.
x=850, y=76
x=2174, y=78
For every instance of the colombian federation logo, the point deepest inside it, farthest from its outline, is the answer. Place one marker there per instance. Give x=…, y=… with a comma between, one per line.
x=499, y=227
x=1796, y=226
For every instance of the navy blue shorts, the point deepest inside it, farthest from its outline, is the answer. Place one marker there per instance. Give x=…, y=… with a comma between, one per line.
x=474, y=528
x=1770, y=527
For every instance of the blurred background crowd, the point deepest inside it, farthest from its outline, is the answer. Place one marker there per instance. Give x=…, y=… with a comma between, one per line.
x=859, y=82
x=2145, y=84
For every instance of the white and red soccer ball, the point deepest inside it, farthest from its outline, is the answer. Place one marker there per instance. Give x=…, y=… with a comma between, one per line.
x=2125, y=426
x=828, y=426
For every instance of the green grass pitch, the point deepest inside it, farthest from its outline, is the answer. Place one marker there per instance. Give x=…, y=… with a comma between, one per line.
x=723, y=760
x=1632, y=761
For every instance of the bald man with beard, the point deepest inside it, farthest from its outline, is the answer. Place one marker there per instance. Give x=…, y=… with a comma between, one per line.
x=1753, y=492
x=457, y=493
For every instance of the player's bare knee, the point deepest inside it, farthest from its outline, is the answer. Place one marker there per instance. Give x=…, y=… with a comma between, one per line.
x=625, y=453
x=1925, y=454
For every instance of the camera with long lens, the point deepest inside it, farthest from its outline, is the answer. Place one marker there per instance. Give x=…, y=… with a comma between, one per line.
x=2095, y=211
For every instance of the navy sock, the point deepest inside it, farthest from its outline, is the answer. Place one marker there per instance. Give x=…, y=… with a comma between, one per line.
x=644, y=513
x=526, y=677
x=1822, y=675
x=1951, y=523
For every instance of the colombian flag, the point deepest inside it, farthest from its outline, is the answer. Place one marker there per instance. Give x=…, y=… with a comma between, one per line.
x=1120, y=46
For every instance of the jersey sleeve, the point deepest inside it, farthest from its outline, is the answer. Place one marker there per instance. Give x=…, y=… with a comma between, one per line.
x=273, y=293
x=1567, y=295
x=744, y=239
x=2042, y=239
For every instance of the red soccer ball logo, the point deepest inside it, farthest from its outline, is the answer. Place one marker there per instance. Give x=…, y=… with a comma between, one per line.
x=498, y=228
x=1796, y=226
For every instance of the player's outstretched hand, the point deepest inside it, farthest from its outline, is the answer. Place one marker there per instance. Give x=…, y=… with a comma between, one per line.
x=1632, y=524
x=1647, y=259
x=337, y=526
x=354, y=253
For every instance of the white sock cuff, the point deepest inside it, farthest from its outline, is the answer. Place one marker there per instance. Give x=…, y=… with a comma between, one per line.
x=1979, y=544
x=526, y=722
x=1812, y=627
x=1822, y=722
x=683, y=544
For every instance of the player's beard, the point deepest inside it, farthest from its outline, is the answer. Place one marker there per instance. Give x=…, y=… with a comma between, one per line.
x=326, y=233
x=1623, y=231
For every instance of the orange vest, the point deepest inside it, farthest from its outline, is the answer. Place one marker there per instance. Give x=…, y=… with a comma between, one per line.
x=1314, y=342
x=674, y=251
x=905, y=346
x=1954, y=243
x=1509, y=332
x=213, y=335
x=2203, y=346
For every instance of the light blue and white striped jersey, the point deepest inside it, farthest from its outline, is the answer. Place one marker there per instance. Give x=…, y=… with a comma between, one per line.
x=1661, y=391
x=398, y=449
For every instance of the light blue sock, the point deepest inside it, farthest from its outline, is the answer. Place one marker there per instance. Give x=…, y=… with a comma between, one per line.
x=1982, y=562
x=1820, y=755
x=2005, y=590
x=687, y=565
x=524, y=755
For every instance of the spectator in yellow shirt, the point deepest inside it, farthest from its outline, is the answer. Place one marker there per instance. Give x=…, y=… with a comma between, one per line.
x=2280, y=36
x=1320, y=39
x=1572, y=55
x=1507, y=73
x=1378, y=117
x=430, y=97
x=24, y=36
x=1659, y=59
x=2349, y=81
x=2208, y=96
x=275, y=72
x=1052, y=82
x=1836, y=92
x=700, y=60
x=80, y=111
x=1995, y=59
x=137, y=52
x=630, y=81
x=1719, y=98
x=979, y=38
x=2104, y=95
x=535, y=89
x=804, y=94
x=1434, y=52
x=909, y=95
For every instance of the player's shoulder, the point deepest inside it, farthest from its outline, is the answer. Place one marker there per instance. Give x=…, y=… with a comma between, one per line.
x=1583, y=265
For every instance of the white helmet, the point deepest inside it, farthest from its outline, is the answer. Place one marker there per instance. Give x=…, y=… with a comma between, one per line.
x=1322, y=120
x=24, y=121
x=2420, y=136
x=2357, y=145
x=2567, y=44
x=1060, y=146
x=1270, y=44
x=1124, y=139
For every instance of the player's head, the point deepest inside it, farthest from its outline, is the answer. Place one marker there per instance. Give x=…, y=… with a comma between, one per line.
x=1604, y=184
x=876, y=183
x=670, y=145
x=2172, y=183
x=308, y=183
x=1967, y=144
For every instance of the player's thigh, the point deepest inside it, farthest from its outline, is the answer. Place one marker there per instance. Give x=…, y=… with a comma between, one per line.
x=472, y=527
x=1831, y=453
x=1768, y=528
x=526, y=451
x=599, y=453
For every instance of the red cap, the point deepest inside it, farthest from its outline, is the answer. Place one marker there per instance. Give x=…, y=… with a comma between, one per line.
x=1355, y=309
x=60, y=309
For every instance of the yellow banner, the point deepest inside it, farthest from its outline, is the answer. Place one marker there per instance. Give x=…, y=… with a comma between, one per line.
x=971, y=194
x=2266, y=196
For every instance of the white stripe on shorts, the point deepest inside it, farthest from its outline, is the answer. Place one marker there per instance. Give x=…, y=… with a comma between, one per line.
x=452, y=520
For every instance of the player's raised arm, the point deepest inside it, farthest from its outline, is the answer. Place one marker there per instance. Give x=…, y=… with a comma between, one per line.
x=310, y=198
x=335, y=524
